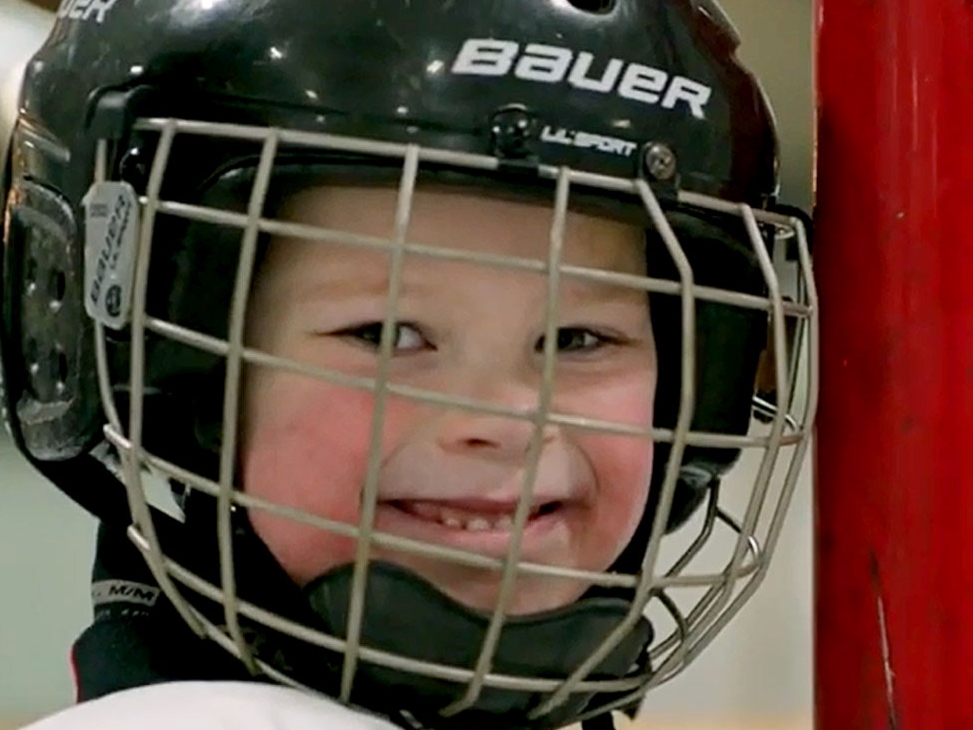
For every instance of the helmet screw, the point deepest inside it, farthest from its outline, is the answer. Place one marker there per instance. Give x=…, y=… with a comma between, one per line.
x=511, y=130
x=660, y=161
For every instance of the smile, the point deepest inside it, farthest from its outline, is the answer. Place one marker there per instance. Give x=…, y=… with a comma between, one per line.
x=470, y=517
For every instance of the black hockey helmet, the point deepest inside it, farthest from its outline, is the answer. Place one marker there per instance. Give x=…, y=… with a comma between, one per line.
x=173, y=112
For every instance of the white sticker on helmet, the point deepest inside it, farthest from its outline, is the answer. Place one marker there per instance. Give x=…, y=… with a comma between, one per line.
x=588, y=140
x=85, y=9
x=554, y=65
x=111, y=237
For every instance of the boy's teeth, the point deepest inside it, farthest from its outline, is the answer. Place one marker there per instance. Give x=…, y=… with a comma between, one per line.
x=474, y=523
x=478, y=524
x=462, y=520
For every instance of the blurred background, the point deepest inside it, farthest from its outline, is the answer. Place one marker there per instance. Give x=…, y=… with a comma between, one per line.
x=757, y=673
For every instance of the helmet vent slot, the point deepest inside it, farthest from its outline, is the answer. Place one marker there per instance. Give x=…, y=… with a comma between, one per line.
x=600, y=7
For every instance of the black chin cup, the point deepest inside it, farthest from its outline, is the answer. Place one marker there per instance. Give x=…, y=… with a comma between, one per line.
x=406, y=616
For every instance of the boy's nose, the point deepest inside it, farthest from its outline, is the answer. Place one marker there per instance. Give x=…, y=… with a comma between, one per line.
x=493, y=436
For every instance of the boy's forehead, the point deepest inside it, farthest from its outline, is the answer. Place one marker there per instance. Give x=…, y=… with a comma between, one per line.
x=465, y=220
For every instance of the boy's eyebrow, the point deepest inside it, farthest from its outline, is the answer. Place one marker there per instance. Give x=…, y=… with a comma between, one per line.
x=334, y=288
x=340, y=287
x=588, y=290
x=340, y=281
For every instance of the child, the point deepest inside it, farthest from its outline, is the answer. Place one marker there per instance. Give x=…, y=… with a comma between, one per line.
x=432, y=322
x=451, y=477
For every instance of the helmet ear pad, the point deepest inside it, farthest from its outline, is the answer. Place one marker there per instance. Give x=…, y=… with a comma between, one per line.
x=728, y=343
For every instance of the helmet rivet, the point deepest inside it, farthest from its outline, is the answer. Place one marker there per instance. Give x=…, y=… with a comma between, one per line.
x=660, y=161
x=511, y=131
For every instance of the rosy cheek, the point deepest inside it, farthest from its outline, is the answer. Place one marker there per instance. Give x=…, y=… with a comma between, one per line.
x=307, y=448
x=623, y=469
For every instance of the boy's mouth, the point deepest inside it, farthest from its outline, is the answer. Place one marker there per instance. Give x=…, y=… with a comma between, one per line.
x=471, y=515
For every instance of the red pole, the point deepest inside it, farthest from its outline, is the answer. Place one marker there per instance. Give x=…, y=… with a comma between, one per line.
x=894, y=256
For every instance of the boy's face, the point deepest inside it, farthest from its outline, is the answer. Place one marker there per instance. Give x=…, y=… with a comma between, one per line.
x=448, y=476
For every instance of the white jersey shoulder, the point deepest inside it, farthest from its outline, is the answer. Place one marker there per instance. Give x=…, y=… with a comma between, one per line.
x=23, y=28
x=211, y=706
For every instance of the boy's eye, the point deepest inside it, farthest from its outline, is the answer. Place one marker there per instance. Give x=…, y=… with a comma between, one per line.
x=575, y=339
x=407, y=337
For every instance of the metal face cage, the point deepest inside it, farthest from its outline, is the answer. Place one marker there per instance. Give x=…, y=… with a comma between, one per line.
x=690, y=583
